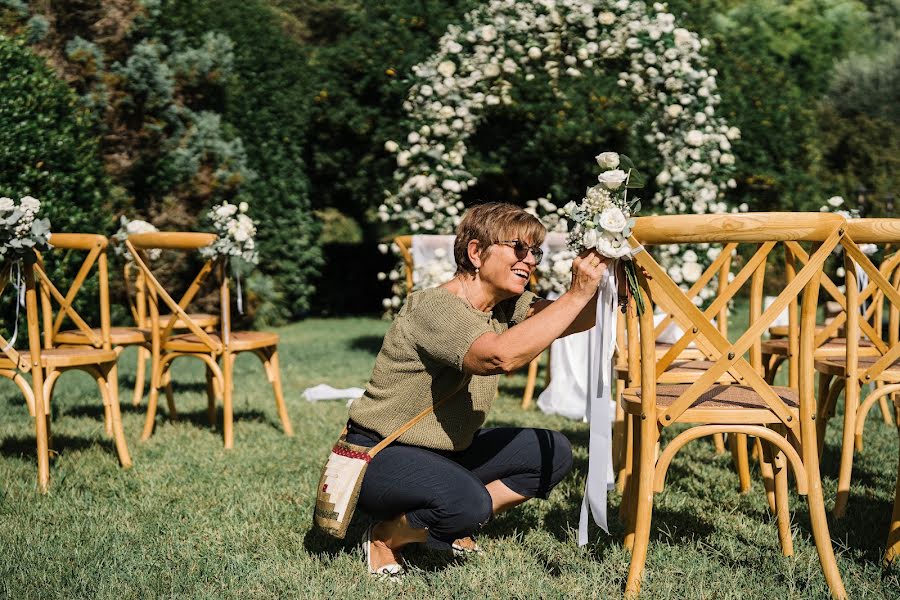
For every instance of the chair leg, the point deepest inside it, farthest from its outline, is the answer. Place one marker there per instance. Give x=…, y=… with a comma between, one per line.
x=768, y=476
x=139, y=376
x=719, y=443
x=170, y=397
x=893, y=539
x=741, y=461
x=41, y=430
x=628, y=508
x=104, y=378
x=618, y=434
x=210, y=396
x=272, y=367
x=822, y=404
x=528, y=394
x=817, y=515
x=112, y=383
x=643, y=506
x=775, y=456
x=153, y=399
x=227, y=395
x=851, y=405
x=627, y=455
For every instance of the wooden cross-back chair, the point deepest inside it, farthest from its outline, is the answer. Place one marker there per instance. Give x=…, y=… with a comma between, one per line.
x=855, y=368
x=892, y=551
x=209, y=347
x=404, y=244
x=136, y=289
x=784, y=418
x=47, y=364
x=105, y=336
x=688, y=362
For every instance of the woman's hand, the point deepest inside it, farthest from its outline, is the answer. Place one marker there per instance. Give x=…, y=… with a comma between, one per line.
x=587, y=270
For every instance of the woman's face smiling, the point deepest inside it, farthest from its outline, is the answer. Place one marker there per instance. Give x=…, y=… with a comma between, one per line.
x=504, y=271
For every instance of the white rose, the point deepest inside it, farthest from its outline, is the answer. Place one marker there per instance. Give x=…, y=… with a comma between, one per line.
x=612, y=180
x=491, y=70
x=693, y=138
x=488, y=33
x=606, y=18
x=403, y=159
x=590, y=238
x=691, y=271
x=727, y=159
x=382, y=248
x=243, y=207
x=612, y=245
x=835, y=201
x=613, y=219
x=608, y=160
x=447, y=68
x=534, y=53
x=6, y=204
x=674, y=110
x=413, y=137
x=683, y=37
x=391, y=146
x=426, y=90
x=451, y=185
x=30, y=204
x=663, y=178
x=509, y=66
x=241, y=235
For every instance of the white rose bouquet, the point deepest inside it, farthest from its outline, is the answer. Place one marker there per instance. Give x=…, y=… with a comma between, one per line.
x=21, y=231
x=236, y=231
x=128, y=227
x=602, y=221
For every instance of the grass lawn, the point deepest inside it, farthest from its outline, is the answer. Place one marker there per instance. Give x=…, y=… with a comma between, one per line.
x=193, y=521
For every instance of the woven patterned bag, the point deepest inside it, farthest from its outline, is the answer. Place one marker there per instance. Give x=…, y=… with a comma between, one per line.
x=343, y=475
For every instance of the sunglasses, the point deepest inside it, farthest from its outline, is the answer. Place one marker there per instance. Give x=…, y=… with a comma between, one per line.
x=521, y=249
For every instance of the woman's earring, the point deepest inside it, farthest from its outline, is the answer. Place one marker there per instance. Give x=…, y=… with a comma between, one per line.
x=476, y=270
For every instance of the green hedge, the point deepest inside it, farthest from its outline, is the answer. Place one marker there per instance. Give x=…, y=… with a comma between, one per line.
x=48, y=150
x=266, y=101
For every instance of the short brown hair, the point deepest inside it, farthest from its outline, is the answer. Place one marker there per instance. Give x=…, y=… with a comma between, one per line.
x=490, y=223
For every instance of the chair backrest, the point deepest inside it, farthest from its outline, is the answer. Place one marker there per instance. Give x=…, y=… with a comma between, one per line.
x=95, y=248
x=765, y=231
x=139, y=244
x=883, y=288
x=404, y=243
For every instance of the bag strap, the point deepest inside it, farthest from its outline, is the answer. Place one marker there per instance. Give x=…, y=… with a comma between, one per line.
x=389, y=439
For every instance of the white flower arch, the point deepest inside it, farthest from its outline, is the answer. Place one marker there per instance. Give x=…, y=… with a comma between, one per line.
x=507, y=41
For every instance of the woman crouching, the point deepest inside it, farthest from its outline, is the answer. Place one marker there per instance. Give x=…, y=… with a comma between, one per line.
x=446, y=476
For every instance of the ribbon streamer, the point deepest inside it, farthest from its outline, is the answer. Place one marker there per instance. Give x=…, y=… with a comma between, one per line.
x=20, y=301
x=240, y=298
x=599, y=401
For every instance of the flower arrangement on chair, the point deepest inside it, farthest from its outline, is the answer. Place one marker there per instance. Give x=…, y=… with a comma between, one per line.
x=21, y=231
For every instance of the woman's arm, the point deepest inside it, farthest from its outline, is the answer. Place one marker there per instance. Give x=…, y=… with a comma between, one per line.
x=492, y=354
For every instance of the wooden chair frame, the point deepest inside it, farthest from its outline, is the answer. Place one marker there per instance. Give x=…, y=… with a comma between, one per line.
x=207, y=347
x=851, y=375
x=789, y=431
x=47, y=364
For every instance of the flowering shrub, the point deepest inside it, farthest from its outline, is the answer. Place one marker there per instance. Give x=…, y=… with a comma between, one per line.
x=236, y=232
x=21, y=231
x=508, y=42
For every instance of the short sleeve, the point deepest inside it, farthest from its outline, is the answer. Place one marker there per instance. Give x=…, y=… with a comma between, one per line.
x=443, y=328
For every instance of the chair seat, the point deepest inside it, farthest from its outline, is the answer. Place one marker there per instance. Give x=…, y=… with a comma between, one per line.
x=838, y=365
x=240, y=341
x=781, y=331
x=682, y=372
x=833, y=347
x=689, y=353
x=118, y=336
x=202, y=320
x=720, y=403
x=65, y=357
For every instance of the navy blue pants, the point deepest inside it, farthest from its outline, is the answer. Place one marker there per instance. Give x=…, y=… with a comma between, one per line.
x=444, y=492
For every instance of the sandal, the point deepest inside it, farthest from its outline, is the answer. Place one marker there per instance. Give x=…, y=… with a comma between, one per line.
x=392, y=571
x=465, y=546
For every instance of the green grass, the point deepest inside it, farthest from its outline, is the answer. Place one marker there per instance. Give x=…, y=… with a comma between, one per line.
x=193, y=521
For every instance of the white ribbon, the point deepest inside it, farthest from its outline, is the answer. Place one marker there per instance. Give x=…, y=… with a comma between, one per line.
x=20, y=301
x=599, y=401
x=240, y=297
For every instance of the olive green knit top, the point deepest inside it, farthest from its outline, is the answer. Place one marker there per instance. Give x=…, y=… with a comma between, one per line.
x=421, y=362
